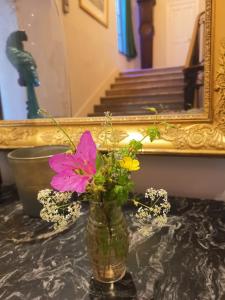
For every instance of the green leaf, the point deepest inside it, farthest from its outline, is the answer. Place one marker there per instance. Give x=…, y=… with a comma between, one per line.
x=99, y=162
x=135, y=145
x=123, y=179
x=168, y=125
x=120, y=194
x=153, y=133
x=99, y=179
x=152, y=109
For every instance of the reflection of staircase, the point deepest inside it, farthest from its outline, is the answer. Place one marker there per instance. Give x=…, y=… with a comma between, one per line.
x=136, y=90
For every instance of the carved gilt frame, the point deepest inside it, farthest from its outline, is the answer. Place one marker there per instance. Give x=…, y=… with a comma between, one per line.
x=194, y=134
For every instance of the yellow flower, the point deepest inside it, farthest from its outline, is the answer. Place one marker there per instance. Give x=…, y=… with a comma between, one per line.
x=129, y=164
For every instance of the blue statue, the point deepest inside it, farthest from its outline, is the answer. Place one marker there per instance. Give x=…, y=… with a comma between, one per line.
x=27, y=69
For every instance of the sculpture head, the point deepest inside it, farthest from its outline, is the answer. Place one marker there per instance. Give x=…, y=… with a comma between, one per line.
x=16, y=39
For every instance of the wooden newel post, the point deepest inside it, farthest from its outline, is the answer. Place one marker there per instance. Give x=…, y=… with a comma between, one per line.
x=146, y=31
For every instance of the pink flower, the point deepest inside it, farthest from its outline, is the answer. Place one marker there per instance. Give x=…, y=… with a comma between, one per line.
x=74, y=171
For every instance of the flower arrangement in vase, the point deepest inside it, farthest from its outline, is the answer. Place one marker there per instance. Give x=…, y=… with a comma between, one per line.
x=103, y=178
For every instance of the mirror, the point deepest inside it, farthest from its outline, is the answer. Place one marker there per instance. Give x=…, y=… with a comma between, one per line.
x=83, y=69
x=68, y=61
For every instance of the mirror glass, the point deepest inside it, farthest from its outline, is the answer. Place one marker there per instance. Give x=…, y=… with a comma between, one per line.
x=74, y=58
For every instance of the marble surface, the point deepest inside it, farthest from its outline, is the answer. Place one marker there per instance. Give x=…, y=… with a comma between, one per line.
x=183, y=260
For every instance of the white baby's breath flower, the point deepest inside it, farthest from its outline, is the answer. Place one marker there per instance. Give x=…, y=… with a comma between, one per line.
x=43, y=195
x=58, y=208
x=154, y=210
x=62, y=197
x=160, y=220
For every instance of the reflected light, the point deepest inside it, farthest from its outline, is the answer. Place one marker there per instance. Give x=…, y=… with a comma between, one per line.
x=135, y=136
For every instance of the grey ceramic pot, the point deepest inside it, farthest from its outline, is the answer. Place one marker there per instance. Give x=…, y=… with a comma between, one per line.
x=32, y=173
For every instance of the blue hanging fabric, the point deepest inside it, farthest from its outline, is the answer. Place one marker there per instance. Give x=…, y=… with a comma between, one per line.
x=125, y=29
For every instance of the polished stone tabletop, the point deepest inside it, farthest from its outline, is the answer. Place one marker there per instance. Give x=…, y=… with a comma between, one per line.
x=184, y=260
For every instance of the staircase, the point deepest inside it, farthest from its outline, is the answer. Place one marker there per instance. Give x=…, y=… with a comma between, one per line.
x=133, y=92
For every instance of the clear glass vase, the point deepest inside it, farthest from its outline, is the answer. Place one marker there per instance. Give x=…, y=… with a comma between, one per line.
x=107, y=241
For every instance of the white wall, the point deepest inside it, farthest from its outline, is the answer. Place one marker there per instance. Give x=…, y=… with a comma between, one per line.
x=199, y=177
x=181, y=176
x=201, y=5
x=92, y=52
x=13, y=96
x=174, y=23
x=159, y=41
x=42, y=21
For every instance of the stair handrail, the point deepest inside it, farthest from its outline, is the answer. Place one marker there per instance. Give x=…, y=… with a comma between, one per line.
x=194, y=66
x=192, y=57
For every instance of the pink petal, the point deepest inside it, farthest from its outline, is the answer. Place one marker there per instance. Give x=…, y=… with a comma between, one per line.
x=68, y=181
x=89, y=168
x=61, y=162
x=87, y=149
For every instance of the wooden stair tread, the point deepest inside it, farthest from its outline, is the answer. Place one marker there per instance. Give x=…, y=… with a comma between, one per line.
x=141, y=102
x=152, y=71
x=148, y=95
x=129, y=113
x=149, y=102
x=144, y=83
x=158, y=74
x=154, y=83
x=138, y=90
x=135, y=106
x=148, y=77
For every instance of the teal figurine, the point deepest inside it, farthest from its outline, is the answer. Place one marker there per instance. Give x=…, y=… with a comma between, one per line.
x=27, y=69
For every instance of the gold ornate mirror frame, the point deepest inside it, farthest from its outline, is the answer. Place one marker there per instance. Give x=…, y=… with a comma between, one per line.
x=196, y=134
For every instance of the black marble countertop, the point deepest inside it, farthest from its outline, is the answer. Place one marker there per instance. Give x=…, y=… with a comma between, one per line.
x=183, y=260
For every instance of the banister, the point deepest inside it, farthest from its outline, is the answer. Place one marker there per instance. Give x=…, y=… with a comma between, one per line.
x=193, y=68
x=194, y=45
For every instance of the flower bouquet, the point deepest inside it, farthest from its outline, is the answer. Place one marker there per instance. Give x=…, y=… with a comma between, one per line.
x=103, y=178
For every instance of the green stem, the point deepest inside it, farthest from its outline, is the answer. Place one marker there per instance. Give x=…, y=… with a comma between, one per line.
x=156, y=201
x=107, y=216
x=65, y=205
x=143, y=138
x=148, y=207
x=135, y=201
x=72, y=145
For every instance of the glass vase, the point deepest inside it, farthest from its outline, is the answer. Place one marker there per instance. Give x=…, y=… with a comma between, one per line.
x=107, y=241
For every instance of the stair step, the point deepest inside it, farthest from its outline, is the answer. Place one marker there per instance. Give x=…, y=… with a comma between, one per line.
x=147, y=83
x=137, y=107
x=145, y=90
x=144, y=102
x=134, y=91
x=163, y=76
x=151, y=71
x=151, y=97
x=131, y=113
x=117, y=114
